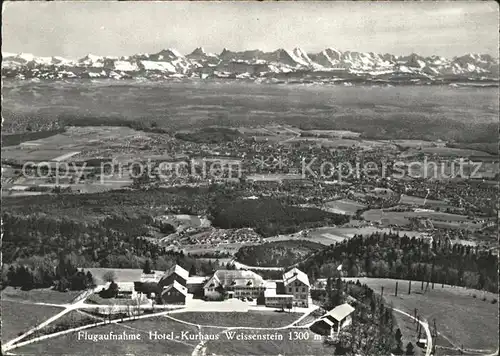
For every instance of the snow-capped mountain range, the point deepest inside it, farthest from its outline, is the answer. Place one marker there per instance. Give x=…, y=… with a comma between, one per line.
x=282, y=65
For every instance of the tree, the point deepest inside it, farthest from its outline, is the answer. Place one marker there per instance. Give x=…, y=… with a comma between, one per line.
x=109, y=276
x=192, y=270
x=62, y=285
x=90, y=280
x=25, y=276
x=409, y=349
x=113, y=289
x=12, y=276
x=147, y=267
x=78, y=281
x=221, y=290
x=399, y=342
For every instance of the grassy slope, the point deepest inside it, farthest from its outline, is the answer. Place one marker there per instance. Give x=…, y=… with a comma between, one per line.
x=224, y=346
x=17, y=318
x=459, y=317
x=70, y=345
x=39, y=295
x=260, y=319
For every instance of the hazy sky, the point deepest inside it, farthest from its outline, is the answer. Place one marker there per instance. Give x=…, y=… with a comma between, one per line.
x=73, y=29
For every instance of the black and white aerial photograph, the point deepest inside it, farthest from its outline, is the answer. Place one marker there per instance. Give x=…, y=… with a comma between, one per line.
x=250, y=178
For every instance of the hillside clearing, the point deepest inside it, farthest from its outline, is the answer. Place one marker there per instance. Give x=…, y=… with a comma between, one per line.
x=460, y=318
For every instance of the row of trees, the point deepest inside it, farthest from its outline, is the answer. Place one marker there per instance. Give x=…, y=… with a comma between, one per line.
x=44, y=272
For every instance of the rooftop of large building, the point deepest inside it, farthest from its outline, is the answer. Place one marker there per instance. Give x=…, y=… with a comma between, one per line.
x=235, y=278
x=295, y=274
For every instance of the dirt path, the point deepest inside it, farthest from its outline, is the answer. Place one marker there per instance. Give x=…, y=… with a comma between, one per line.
x=425, y=325
x=77, y=303
x=201, y=348
x=12, y=345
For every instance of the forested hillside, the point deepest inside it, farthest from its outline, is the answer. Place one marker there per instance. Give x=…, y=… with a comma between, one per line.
x=394, y=256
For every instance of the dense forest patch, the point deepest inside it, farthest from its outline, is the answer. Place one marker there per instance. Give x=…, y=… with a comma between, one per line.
x=277, y=254
x=210, y=135
x=270, y=216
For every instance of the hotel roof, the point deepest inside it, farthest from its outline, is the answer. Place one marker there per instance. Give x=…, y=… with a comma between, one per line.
x=295, y=274
x=235, y=278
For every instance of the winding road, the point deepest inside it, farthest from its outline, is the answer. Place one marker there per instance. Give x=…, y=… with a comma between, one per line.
x=425, y=325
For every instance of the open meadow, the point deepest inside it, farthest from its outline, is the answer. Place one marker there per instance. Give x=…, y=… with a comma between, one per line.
x=417, y=201
x=343, y=206
x=264, y=319
x=72, y=344
x=17, y=318
x=330, y=235
x=41, y=295
x=296, y=341
x=402, y=218
x=121, y=274
x=461, y=318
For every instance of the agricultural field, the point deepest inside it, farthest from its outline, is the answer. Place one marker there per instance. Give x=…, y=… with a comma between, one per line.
x=82, y=145
x=332, y=133
x=411, y=200
x=264, y=319
x=184, y=221
x=469, y=321
x=453, y=152
x=18, y=318
x=343, y=206
x=327, y=142
x=230, y=248
x=415, y=143
x=330, y=235
x=77, y=143
x=437, y=218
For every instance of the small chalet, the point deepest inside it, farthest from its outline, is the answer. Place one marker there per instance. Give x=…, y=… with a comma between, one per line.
x=174, y=293
x=335, y=320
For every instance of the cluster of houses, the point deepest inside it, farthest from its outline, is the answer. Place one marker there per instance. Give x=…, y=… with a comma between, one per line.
x=292, y=290
x=174, y=286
